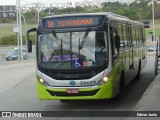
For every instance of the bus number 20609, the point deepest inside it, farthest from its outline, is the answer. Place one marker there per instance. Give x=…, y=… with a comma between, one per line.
x=88, y=83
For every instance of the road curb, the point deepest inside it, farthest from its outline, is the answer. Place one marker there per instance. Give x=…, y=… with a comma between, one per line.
x=15, y=62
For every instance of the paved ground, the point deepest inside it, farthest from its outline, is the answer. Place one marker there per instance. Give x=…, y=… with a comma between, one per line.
x=150, y=100
x=18, y=92
x=149, y=104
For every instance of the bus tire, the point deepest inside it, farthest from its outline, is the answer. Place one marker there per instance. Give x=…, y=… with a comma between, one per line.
x=139, y=72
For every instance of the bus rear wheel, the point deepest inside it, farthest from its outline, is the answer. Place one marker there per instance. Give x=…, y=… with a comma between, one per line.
x=139, y=72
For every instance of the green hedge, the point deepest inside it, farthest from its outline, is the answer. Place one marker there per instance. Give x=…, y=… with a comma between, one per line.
x=12, y=40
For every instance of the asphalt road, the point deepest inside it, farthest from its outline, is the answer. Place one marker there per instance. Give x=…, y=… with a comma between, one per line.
x=18, y=92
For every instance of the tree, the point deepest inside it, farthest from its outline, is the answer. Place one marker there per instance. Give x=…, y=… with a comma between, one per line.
x=79, y=9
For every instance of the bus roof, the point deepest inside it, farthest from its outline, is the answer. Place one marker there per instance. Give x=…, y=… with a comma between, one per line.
x=109, y=14
x=82, y=20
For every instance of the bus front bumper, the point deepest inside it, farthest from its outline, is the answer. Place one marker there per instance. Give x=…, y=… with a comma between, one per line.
x=100, y=92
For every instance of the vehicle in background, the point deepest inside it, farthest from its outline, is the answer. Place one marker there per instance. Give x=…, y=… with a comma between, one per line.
x=24, y=53
x=152, y=48
x=13, y=55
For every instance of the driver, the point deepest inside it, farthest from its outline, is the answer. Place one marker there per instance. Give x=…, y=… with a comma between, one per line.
x=100, y=46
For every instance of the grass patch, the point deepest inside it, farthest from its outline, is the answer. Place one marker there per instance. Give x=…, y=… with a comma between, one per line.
x=7, y=29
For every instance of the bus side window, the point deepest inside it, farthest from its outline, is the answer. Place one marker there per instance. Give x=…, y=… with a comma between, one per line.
x=134, y=40
x=137, y=35
x=120, y=33
x=142, y=35
x=124, y=35
x=115, y=41
x=112, y=42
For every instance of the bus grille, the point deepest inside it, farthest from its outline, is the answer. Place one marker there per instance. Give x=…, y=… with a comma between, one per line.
x=82, y=93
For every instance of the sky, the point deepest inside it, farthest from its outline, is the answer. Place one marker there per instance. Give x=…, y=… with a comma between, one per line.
x=23, y=2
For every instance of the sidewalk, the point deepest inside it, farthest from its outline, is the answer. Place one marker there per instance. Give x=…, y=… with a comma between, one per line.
x=150, y=101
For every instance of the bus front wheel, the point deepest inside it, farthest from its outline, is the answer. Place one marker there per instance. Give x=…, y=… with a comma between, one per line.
x=121, y=87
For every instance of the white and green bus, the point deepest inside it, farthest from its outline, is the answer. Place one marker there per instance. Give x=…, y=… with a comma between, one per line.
x=71, y=65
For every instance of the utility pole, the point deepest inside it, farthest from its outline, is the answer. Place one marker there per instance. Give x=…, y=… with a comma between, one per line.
x=25, y=34
x=38, y=11
x=154, y=40
x=20, y=29
x=17, y=27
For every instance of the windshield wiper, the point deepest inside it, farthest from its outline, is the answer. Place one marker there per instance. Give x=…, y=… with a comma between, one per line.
x=56, y=39
x=59, y=45
x=84, y=39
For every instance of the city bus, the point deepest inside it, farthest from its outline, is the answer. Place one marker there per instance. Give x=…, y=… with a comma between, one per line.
x=71, y=66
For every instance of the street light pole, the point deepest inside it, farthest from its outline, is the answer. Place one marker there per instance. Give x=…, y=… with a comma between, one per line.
x=38, y=16
x=153, y=25
x=38, y=12
x=20, y=30
x=17, y=25
x=25, y=34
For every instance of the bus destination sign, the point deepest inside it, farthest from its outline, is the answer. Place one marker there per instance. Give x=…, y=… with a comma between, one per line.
x=70, y=22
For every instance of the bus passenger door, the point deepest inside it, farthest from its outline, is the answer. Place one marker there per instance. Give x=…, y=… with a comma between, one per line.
x=130, y=44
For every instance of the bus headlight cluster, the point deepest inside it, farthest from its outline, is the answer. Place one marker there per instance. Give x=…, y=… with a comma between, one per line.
x=42, y=81
x=104, y=79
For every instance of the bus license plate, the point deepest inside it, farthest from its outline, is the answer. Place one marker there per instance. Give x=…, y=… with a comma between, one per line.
x=72, y=91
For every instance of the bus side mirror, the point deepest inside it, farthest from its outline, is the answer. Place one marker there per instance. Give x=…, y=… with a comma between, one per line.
x=29, y=42
x=29, y=46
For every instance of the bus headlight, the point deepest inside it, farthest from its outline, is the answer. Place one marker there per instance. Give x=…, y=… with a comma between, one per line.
x=104, y=79
x=42, y=81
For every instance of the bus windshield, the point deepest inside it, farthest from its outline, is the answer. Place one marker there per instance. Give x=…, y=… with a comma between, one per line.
x=72, y=50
